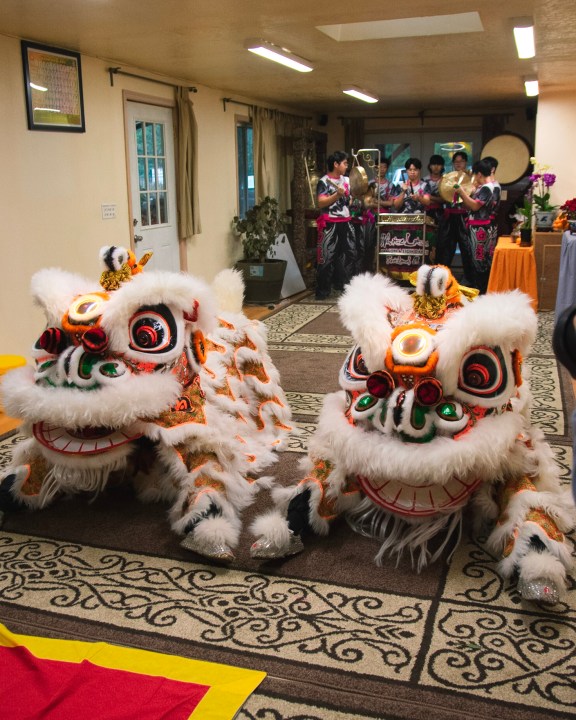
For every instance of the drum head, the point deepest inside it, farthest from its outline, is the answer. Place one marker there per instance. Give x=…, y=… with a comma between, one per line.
x=456, y=177
x=358, y=181
x=513, y=154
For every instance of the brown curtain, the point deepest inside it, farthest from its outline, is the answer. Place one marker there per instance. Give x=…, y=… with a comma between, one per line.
x=353, y=134
x=188, y=204
x=273, y=143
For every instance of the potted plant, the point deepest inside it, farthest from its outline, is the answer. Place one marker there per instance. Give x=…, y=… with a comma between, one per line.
x=523, y=217
x=259, y=231
x=542, y=181
x=569, y=213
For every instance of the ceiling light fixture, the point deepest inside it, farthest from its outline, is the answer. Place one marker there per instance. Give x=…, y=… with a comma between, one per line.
x=531, y=86
x=277, y=54
x=524, y=37
x=359, y=94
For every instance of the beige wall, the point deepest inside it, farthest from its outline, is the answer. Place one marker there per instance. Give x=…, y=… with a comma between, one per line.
x=556, y=141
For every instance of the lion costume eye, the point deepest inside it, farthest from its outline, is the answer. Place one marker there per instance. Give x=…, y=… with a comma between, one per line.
x=84, y=312
x=153, y=330
x=483, y=372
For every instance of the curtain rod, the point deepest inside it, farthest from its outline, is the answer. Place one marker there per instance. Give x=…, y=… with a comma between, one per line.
x=252, y=106
x=420, y=116
x=118, y=71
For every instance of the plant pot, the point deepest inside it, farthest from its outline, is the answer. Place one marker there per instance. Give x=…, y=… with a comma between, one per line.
x=544, y=220
x=263, y=281
x=525, y=237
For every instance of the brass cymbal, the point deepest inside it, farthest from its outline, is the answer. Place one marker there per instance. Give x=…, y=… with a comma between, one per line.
x=456, y=177
x=358, y=181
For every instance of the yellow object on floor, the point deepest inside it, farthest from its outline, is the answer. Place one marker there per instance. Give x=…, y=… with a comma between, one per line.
x=9, y=362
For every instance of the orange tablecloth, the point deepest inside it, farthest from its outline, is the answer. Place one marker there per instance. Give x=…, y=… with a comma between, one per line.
x=514, y=267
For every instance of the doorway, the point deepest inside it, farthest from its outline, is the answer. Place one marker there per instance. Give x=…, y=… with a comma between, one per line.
x=150, y=134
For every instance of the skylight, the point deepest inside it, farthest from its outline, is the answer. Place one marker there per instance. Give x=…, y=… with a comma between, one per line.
x=405, y=27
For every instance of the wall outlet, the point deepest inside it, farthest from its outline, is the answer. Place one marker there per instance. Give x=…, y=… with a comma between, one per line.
x=108, y=212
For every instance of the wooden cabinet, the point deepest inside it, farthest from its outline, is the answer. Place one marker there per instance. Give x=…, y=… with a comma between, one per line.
x=547, y=246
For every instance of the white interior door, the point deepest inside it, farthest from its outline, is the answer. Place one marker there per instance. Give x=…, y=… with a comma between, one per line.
x=153, y=184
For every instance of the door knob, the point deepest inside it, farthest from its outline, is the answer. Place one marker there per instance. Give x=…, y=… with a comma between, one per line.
x=138, y=238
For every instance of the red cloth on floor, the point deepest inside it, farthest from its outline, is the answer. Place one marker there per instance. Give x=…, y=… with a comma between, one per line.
x=36, y=689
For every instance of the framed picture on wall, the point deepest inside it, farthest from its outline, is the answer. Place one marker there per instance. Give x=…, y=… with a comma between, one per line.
x=53, y=88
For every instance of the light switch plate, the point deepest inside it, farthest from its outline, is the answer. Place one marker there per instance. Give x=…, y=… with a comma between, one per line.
x=108, y=212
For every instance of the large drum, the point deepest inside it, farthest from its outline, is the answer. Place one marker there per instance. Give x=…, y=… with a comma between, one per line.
x=513, y=154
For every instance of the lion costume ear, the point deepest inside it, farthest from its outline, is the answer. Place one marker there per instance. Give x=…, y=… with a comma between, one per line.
x=364, y=311
x=53, y=290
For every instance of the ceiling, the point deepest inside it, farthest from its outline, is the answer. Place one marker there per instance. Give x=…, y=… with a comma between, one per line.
x=202, y=42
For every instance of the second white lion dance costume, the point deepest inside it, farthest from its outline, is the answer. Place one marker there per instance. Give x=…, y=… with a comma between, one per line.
x=433, y=416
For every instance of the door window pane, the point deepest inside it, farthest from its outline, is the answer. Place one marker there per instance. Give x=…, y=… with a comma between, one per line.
x=139, y=138
x=144, y=214
x=160, y=174
x=163, y=207
x=159, y=139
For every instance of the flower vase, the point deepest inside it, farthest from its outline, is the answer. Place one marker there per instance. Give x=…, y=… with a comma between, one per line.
x=572, y=226
x=525, y=237
x=544, y=220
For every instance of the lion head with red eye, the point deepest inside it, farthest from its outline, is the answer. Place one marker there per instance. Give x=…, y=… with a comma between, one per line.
x=433, y=414
x=150, y=361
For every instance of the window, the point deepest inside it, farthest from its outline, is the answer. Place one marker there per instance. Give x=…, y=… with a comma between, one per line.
x=449, y=147
x=246, y=198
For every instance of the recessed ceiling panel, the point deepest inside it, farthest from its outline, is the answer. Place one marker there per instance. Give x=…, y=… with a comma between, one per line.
x=405, y=27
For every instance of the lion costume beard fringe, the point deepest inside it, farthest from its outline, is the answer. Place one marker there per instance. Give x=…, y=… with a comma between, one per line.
x=148, y=377
x=432, y=418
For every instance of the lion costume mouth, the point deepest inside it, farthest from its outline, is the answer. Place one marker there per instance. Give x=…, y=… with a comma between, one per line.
x=86, y=441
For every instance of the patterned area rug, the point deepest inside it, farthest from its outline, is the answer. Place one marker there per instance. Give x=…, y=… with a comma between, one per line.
x=338, y=637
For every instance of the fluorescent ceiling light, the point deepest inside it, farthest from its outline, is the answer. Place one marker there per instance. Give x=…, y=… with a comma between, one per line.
x=360, y=94
x=524, y=38
x=531, y=85
x=279, y=55
x=457, y=24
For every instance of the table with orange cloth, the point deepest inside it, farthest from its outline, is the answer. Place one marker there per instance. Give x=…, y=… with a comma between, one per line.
x=514, y=267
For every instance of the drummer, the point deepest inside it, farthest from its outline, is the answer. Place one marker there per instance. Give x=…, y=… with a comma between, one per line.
x=412, y=196
x=496, y=187
x=336, y=249
x=435, y=173
x=452, y=225
x=377, y=200
x=478, y=248
x=380, y=197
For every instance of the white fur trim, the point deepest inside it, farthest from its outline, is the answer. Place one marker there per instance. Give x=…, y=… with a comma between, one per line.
x=219, y=530
x=273, y=526
x=542, y=565
x=228, y=286
x=114, y=405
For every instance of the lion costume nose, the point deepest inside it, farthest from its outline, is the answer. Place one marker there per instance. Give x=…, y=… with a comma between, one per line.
x=95, y=341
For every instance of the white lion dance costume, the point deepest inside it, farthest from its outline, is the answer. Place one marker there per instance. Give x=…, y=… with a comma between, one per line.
x=432, y=416
x=147, y=377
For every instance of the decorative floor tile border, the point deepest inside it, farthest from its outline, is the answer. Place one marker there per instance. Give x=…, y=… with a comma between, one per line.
x=312, y=623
